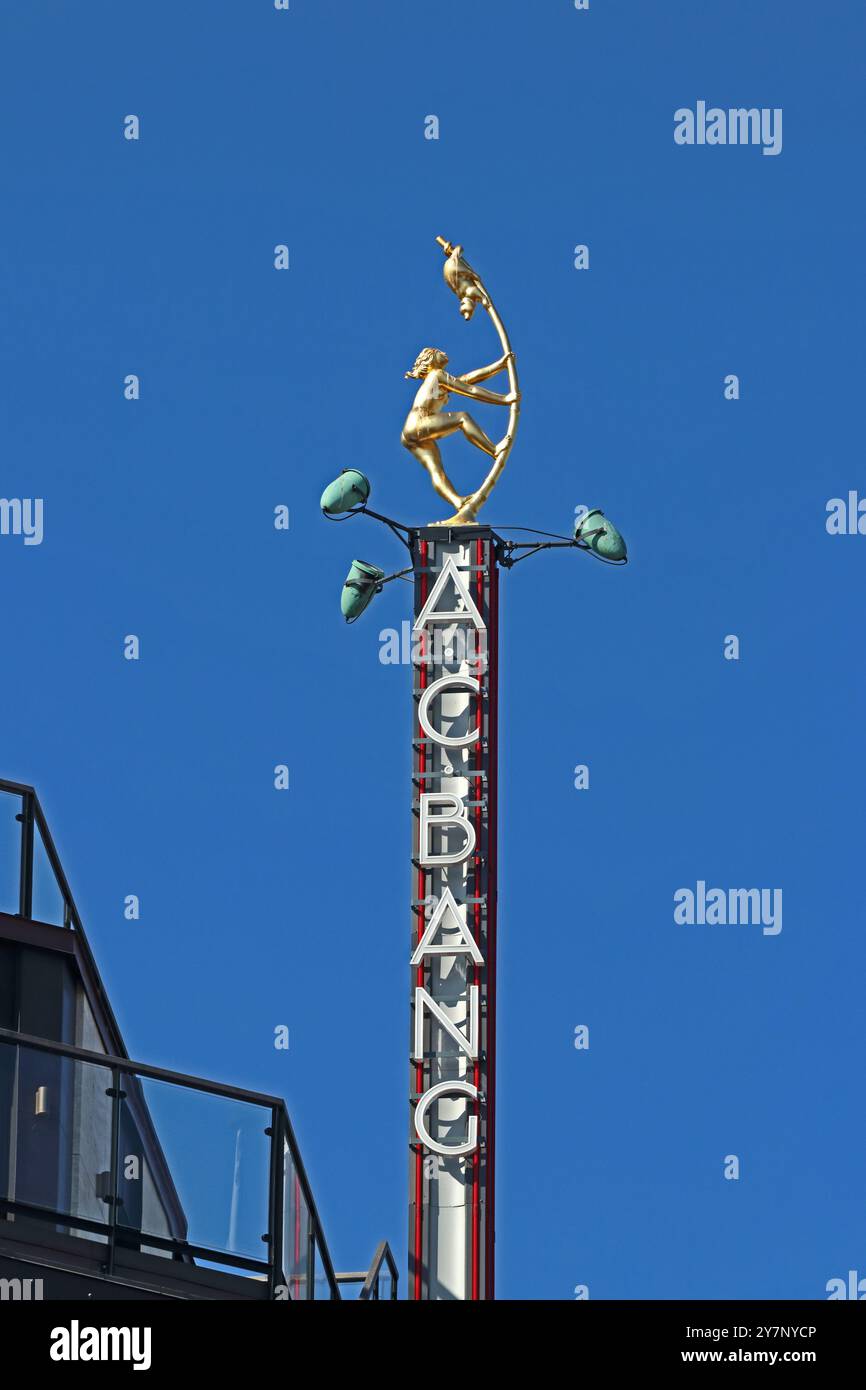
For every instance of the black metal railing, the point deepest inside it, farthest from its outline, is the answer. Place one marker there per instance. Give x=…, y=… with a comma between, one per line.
x=380, y=1280
x=140, y=1158
x=32, y=882
x=134, y=1106
x=40, y=873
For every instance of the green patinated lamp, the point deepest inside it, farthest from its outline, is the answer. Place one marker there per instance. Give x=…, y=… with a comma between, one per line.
x=345, y=493
x=363, y=582
x=594, y=532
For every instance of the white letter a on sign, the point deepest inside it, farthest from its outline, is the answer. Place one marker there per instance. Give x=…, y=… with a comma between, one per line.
x=467, y=945
x=429, y=613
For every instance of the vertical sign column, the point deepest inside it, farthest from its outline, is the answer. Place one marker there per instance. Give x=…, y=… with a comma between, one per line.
x=453, y=915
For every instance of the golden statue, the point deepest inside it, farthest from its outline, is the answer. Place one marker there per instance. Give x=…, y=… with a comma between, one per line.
x=428, y=420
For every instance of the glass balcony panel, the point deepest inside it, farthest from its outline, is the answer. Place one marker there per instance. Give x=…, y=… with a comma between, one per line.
x=320, y=1278
x=296, y=1232
x=191, y=1168
x=55, y=1134
x=195, y=1166
x=48, y=900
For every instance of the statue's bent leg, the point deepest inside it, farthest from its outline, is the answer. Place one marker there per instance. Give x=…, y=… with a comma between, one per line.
x=428, y=454
x=475, y=434
x=445, y=422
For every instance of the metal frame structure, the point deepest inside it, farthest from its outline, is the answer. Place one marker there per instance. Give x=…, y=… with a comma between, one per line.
x=383, y=1266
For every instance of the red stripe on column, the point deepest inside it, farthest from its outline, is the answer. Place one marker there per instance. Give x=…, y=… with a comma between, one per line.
x=419, y=975
x=492, y=908
x=476, y=973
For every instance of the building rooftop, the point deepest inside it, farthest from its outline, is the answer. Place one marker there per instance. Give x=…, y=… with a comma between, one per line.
x=120, y=1179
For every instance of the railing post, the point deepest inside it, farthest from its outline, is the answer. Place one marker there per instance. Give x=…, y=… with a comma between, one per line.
x=116, y=1095
x=25, y=885
x=276, y=1274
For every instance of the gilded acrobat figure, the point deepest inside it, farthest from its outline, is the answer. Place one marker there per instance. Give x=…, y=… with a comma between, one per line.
x=429, y=421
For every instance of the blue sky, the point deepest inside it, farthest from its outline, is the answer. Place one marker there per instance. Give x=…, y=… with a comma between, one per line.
x=262, y=908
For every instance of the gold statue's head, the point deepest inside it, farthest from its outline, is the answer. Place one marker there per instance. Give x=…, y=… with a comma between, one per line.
x=427, y=361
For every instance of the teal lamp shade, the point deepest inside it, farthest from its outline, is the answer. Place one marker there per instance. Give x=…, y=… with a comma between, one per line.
x=350, y=490
x=362, y=582
x=606, y=542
